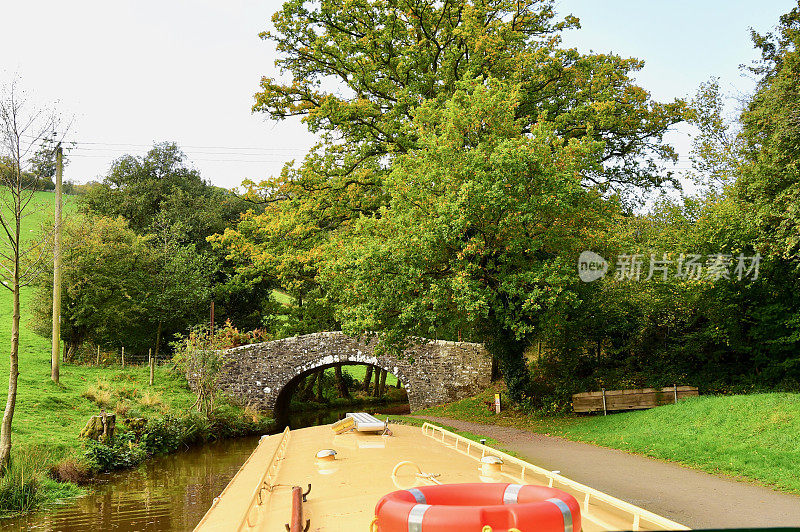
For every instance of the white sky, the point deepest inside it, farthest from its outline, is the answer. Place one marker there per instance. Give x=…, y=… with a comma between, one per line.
x=135, y=72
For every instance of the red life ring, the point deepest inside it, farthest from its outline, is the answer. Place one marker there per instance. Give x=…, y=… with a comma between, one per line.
x=469, y=507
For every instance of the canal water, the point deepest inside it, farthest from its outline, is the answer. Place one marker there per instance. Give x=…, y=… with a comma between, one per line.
x=167, y=493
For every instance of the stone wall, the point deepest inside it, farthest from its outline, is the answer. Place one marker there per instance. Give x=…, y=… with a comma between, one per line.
x=433, y=372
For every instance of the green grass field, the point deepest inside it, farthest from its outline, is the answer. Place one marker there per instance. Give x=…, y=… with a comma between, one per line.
x=754, y=437
x=282, y=297
x=359, y=372
x=49, y=417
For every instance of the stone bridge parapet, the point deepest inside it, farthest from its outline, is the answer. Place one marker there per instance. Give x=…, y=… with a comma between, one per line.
x=264, y=374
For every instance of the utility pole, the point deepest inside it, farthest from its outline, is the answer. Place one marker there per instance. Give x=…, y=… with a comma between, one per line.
x=212, y=319
x=54, y=361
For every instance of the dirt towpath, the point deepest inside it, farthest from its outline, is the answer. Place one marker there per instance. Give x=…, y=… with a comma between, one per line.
x=693, y=498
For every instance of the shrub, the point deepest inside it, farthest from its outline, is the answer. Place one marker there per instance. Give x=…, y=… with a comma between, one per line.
x=136, y=425
x=123, y=454
x=229, y=336
x=196, y=428
x=229, y=422
x=163, y=436
x=200, y=356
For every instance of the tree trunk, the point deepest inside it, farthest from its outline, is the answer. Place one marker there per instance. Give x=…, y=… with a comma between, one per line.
x=382, y=391
x=367, y=379
x=70, y=349
x=13, y=374
x=158, y=340
x=319, y=385
x=307, y=386
x=510, y=353
x=376, y=386
x=340, y=384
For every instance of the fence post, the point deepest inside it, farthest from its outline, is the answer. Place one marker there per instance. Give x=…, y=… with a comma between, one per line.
x=151, y=361
x=605, y=412
x=98, y=355
x=123, y=357
x=676, y=393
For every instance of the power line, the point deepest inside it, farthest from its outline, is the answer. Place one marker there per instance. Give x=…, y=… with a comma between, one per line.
x=203, y=152
x=86, y=156
x=122, y=146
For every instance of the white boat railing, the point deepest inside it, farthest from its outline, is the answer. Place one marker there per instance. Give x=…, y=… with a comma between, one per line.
x=467, y=446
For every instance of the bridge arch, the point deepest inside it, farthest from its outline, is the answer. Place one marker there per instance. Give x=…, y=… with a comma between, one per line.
x=283, y=399
x=441, y=371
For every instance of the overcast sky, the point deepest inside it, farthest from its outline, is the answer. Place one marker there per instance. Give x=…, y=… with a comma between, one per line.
x=136, y=72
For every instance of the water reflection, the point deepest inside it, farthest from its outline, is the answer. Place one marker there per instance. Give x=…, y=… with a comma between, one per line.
x=169, y=493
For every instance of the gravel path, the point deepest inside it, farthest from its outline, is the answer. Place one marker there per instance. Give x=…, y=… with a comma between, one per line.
x=690, y=497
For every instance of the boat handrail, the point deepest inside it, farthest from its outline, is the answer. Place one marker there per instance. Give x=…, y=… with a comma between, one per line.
x=266, y=483
x=638, y=514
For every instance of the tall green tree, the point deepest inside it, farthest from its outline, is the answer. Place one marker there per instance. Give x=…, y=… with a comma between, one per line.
x=390, y=57
x=717, y=148
x=139, y=188
x=483, y=230
x=770, y=179
x=105, y=276
x=124, y=289
x=357, y=72
x=159, y=194
x=181, y=280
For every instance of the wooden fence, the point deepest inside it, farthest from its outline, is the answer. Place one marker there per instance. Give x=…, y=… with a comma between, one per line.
x=638, y=399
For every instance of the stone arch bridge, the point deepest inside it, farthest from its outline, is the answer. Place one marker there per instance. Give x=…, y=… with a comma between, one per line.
x=264, y=374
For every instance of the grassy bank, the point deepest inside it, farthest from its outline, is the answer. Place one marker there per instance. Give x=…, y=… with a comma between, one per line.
x=754, y=437
x=49, y=417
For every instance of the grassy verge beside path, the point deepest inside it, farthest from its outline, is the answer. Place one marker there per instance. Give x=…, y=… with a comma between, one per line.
x=755, y=437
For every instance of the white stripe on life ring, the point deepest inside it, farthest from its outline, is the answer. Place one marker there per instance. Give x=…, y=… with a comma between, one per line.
x=415, y=517
x=418, y=495
x=511, y=494
x=566, y=513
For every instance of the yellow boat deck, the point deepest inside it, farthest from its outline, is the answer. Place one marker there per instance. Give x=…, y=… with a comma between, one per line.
x=344, y=491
